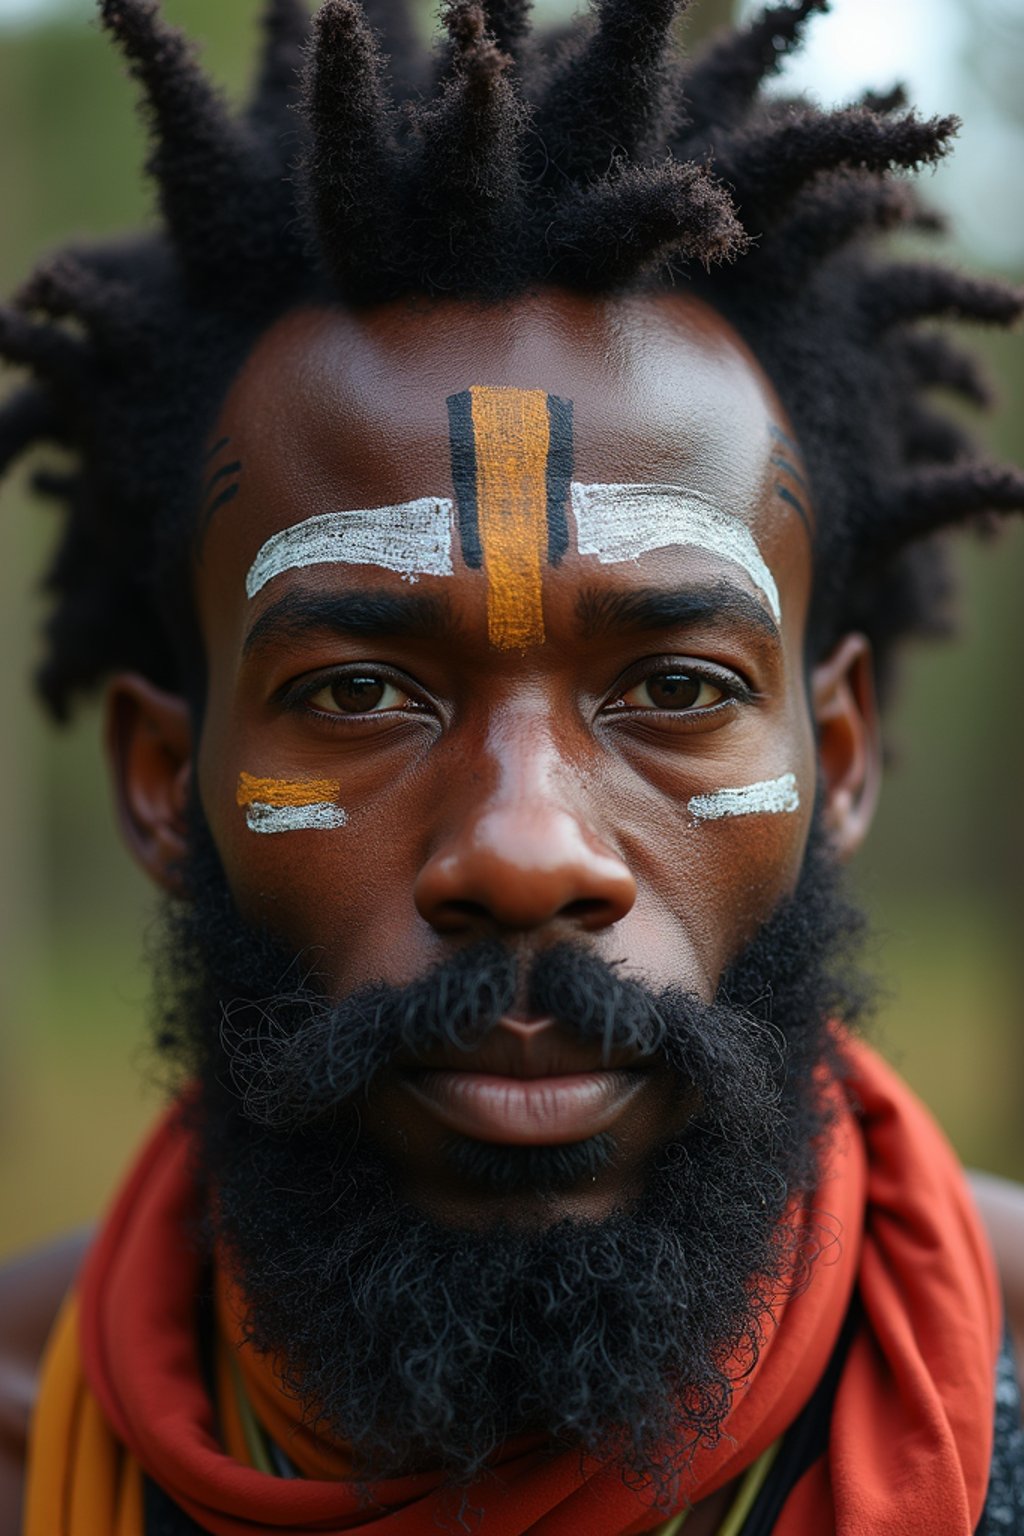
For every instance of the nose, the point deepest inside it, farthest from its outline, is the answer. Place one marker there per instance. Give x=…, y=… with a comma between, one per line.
x=522, y=865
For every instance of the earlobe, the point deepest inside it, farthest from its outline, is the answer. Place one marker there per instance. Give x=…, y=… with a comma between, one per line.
x=846, y=719
x=149, y=747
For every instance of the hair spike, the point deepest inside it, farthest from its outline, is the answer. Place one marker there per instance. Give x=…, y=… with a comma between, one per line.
x=27, y=417
x=286, y=27
x=728, y=75
x=51, y=351
x=884, y=102
x=901, y=292
x=677, y=212
x=610, y=95
x=931, y=438
x=938, y=497
x=350, y=170
x=65, y=287
x=937, y=363
x=469, y=142
x=207, y=169
x=843, y=207
x=768, y=164
x=508, y=22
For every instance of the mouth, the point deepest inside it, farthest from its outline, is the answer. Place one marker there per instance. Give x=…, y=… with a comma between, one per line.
x=528, y=1084
x=535, y=1111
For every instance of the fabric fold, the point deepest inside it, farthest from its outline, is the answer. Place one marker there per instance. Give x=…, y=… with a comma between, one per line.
x=911, y=1433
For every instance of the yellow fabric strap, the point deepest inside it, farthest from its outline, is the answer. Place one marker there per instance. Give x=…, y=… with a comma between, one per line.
x=79, y=1481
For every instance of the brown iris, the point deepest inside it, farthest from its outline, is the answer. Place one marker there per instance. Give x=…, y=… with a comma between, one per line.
x=356, y=695
x=673, y=690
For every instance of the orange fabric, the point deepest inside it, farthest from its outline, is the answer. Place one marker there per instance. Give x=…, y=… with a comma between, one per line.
x=911, y=1430
x=512, y=433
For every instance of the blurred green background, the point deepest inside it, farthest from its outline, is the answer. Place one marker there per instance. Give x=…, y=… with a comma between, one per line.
x=943, y=872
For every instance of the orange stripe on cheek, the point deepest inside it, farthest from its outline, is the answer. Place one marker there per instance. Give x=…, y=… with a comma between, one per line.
x=511, y=433
x=253, y=791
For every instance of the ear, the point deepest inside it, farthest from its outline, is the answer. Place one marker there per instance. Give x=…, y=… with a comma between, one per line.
x=149, y=746
x=845, y=712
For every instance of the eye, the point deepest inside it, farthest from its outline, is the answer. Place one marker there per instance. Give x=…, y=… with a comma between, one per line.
x=362, y=693
x=676, y=689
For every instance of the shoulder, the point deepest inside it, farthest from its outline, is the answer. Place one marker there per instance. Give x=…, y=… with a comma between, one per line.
x=1001, y=1204
x=31, y=1290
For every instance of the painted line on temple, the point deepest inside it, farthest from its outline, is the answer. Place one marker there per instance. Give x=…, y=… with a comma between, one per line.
x=622, y=522
x=781, y=463
x=768, y=797
x=290, y=805
x=412, y=538
x=793, y=501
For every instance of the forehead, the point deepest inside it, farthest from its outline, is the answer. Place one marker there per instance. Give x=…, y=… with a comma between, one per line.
x=338, y=410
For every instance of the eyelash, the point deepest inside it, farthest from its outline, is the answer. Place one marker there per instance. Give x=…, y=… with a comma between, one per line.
x=295, y=698
x=735, y=689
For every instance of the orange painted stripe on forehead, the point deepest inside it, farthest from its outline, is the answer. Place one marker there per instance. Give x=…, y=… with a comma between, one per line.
x=253, y=791
x=511, y=435
x=501, y=472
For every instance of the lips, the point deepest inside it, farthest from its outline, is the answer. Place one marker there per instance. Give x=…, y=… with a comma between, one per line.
x=533, y=1111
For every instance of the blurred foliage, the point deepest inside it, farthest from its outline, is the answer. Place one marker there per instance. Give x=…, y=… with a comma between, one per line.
x=942, y=873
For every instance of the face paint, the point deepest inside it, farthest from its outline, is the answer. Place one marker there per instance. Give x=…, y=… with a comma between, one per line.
x=222, y=486
x=768, y=797
x=621, y=522
x=413, y=538
x=286, y=805
x=511, y=466
x=782, y=460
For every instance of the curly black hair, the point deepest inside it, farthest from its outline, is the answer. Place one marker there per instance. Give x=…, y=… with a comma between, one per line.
x=598, y=158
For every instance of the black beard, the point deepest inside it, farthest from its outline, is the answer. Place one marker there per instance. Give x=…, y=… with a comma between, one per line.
x=419, y=1344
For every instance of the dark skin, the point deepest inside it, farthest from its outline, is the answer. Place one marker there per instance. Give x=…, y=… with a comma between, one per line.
x=537, y=794
x=533, y=795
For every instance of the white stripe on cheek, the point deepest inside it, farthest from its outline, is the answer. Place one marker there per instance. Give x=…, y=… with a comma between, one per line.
x=322, y=815
x=414, y=538
x=622, y=522
x=768, y=797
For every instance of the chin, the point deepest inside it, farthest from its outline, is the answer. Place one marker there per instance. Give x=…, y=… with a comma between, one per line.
x=488, y=1184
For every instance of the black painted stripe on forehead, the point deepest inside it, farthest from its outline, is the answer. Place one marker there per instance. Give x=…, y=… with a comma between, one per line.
x=560, y=467
x=464, y=475
x=463, y=452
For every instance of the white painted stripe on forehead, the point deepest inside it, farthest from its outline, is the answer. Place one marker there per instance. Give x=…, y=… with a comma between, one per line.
x=768, y=797
x=413, y=538
x=621, y=522
x=321, y=816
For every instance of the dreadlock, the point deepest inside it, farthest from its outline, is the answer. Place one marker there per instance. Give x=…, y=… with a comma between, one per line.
x=599, y=157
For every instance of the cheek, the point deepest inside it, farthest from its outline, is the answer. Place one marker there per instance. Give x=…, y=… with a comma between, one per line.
x=326, y=862
x=706, y=889
x=716, y=858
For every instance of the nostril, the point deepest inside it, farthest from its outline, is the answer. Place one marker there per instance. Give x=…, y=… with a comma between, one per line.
x=586, y=910
x=453, y=915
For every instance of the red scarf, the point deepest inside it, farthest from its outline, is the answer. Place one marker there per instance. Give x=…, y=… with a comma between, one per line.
x=911, y=1429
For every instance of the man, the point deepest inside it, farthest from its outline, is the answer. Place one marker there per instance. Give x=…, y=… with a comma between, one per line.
x=492, y=520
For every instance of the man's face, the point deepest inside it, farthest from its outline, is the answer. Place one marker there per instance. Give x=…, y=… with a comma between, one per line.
x=526, y=718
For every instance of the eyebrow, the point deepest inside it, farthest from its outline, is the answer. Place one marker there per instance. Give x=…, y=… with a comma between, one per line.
x=717, y=604
x=368, y=615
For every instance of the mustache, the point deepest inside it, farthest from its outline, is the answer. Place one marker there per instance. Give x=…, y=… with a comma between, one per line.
x=297, y=1058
